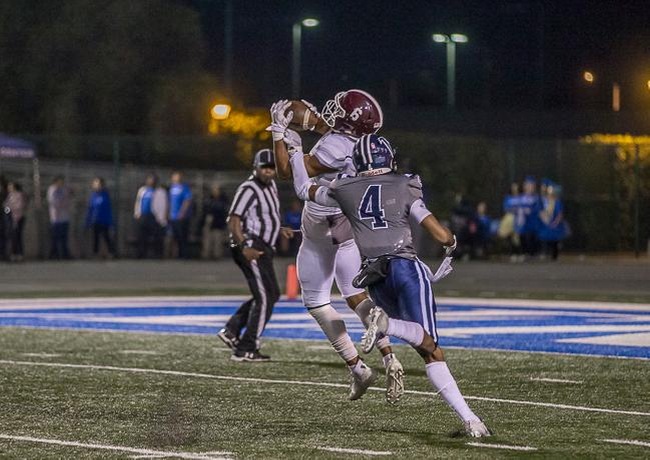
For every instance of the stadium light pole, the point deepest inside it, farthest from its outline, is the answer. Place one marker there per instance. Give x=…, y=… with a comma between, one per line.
x=450, y=41
x=295, y=69
x=590, y=78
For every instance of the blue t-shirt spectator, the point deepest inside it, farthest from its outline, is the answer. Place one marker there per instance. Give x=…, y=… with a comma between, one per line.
x=292, y=219
x=527, y=216
x=145, y=202
x=99, y=209
x=179, y=194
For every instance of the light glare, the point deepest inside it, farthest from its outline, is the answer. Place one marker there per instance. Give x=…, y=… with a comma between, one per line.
x=588, y=76
x=459, y=38
x=310, y=22
x=440, y=38
x=220, y=111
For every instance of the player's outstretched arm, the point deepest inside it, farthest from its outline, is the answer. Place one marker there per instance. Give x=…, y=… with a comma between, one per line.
x=438, y=232
x=305, y=188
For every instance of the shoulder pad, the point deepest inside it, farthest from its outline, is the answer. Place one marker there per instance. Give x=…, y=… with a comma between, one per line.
x=414, y=181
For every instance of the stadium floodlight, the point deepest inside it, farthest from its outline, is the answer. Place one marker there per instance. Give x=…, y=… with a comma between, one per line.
x=588, y=77
x=220, y=111
x=297, y=38
x=310, y=22
x=450, y=41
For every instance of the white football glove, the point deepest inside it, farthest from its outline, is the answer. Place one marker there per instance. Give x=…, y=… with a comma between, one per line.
x=451, y=248
x=279, y=119
x=293, y=141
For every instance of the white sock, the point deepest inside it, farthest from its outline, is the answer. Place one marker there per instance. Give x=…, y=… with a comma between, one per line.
x=408, y=331
x=331, y=322
x=382, y=343
x=442, y=380
x=387, y=358
x=358, y=368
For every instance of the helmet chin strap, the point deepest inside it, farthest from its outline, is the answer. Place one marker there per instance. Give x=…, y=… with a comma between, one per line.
x=375, y=172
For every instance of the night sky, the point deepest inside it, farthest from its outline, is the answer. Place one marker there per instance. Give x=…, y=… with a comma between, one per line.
x=521, y=54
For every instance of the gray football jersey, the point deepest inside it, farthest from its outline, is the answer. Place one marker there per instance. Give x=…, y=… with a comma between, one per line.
x=378, y=208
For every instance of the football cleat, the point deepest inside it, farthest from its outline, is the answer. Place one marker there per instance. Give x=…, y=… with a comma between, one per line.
x=249, y=357
x=477, y=429
x=360, y=383
x=228, y=338
x=394, y=380
x=378, y=325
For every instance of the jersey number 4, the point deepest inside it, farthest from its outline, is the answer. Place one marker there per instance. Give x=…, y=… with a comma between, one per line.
x=370, y=207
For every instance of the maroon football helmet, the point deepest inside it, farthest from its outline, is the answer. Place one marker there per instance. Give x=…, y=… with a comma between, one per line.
x=353, y=112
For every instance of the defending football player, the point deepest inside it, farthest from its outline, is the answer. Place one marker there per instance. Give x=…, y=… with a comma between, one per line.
x=328, y=251
x=379, y=204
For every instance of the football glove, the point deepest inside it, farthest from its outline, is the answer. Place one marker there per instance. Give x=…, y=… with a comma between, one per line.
x=293, y=141
x=451, y=248
x=280, y=119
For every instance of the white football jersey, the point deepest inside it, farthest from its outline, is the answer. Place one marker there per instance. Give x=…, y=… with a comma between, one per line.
x=333, y=150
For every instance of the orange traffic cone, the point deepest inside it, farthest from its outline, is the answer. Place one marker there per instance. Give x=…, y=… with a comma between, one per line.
x=293, y=288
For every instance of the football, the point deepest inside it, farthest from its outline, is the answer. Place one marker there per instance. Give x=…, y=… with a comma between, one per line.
x=303, y=118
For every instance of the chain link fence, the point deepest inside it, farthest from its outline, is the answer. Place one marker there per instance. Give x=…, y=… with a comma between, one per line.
x=606, y=196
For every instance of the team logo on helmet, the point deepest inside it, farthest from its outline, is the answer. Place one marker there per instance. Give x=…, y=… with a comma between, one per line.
x=353, y=112
x=373, y=155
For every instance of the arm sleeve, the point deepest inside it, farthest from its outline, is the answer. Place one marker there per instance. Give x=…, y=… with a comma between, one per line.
x=419, y=211
x=301, y=181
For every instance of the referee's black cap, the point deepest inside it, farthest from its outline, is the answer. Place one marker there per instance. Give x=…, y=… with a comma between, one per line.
x=264, y=158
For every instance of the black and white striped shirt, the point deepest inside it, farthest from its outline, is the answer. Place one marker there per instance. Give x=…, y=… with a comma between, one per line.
x=258, y=207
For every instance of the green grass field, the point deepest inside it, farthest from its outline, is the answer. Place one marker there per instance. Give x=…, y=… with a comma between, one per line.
x=208, y=404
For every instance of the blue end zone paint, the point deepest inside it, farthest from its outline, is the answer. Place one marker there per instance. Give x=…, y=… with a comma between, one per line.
x=290, y=321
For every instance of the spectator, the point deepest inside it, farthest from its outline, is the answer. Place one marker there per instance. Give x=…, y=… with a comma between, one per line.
x=485, y=230
x=292, y=220
x=15, y=204
x=553, y=227
x=527, y=222
x=215, y=214
x=180, y=202
x=150, y=212
x=506, y=229
x=4, y=217
x=463, y=224
x=100, y=216
x=59, y=203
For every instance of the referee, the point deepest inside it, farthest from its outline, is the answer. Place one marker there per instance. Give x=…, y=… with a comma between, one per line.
x=254, y=226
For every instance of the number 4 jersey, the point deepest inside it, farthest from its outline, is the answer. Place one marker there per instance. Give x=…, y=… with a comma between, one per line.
x=379, y=208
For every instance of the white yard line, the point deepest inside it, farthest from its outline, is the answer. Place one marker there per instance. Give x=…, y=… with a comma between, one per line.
x=355, y=451
x=42, y=355
x=208, y=301
x=500, y=446
x=627, y=441
x=545, y=379
x=138, y=370
x=139, y=352
x=147, y=452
